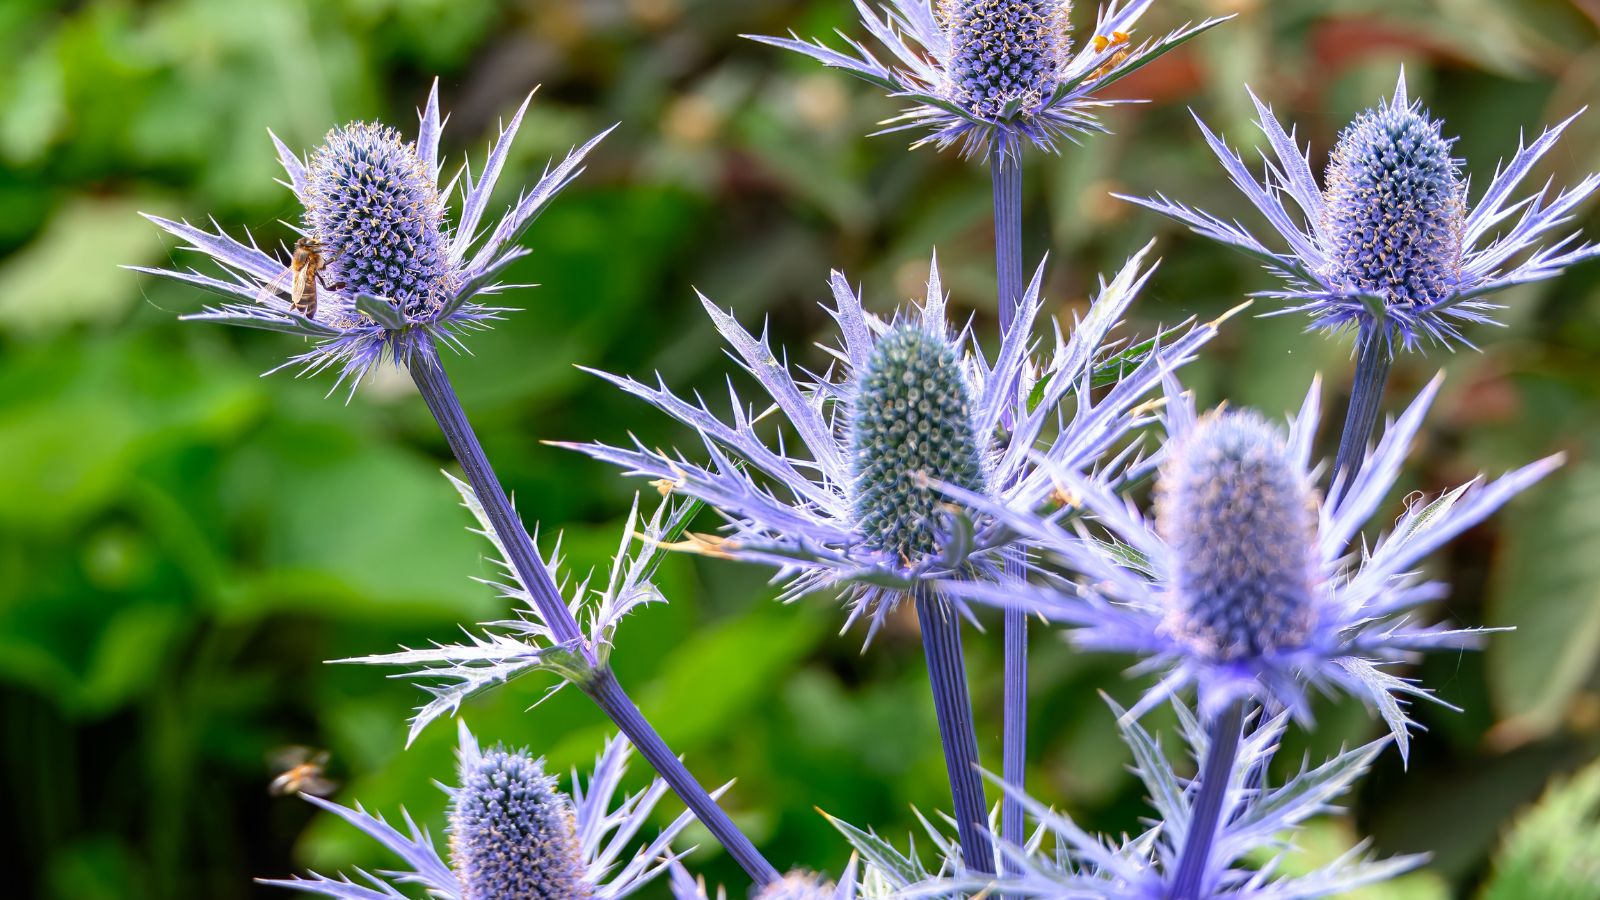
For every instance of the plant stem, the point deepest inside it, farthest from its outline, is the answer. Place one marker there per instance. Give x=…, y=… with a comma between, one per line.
x=1195, y=860
x=427, y=370
x=941, y=645
x=1373, y=361
x=609, y=696
x=1006, y=175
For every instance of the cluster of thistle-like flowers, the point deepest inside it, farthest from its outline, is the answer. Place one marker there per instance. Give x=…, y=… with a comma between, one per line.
x=911, y=429
x=1240, y=517
x=1005, y=55
x=375, y=211
x=1396, y=208
x=513, y=832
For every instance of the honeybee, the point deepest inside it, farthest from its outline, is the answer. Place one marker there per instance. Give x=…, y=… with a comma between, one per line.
x=300, y=771
x=303, y=275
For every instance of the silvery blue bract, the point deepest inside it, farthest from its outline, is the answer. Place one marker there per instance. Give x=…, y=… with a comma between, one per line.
x=1211, y=592
x=995, y=74
x=514, y=834
x=1390, y=243
x=397, y=273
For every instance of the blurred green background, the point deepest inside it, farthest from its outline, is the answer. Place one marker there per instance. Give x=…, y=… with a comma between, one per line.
x=183, y=543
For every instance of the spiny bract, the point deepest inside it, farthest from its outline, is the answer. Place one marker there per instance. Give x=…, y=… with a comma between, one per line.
x=1396, y=207
x=797, y=886
x=911, y=426
x=1005, y=53
x=1240, y=516
x=512, y=832
x=374, y=208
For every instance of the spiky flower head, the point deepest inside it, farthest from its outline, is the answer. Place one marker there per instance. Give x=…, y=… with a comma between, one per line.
x=512, y=832
x=1005, y=55
x=1391, y=246
x=515, y=835
x=375, y=210
x=996, y=74
x=1396, y=207
x=1240, y=516
x=910, y=426
x=1247, y=584
x=396, y=277
x=910, y=410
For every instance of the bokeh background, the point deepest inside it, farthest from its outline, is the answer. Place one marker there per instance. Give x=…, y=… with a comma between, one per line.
x=183, y=543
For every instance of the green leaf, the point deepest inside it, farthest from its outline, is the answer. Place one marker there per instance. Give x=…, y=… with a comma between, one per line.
x=1547, y=586
x=1553, y=850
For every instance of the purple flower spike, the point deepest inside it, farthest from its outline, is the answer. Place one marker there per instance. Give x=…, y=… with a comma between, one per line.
x=514, y=833
x=1391, y=245
x=395, y=274
x=908, y=405
x=1247, y=584
x=995, y=75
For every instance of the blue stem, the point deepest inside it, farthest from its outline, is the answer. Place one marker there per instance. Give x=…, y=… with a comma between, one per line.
x=1006, y=175
x=941, y=645
x=1194, y=862
x=427, y=370
x=1373, y=360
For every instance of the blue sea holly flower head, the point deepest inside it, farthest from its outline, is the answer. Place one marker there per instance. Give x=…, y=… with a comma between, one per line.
x=1249, y=584
x=1390, y=244
x=380, y=270
x=515, y=834
x=1252, y=838
x=908, y=403
x=982, y=74
x=505, y=649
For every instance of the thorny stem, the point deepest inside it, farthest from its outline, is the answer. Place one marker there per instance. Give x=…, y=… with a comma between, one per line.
x=1373, y=360
x=427, y=370
x=1007, y=178
x=941, y=645
x=1214, y=778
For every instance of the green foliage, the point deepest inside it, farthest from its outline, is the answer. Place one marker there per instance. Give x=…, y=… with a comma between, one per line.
x=183, y=543
x=1553, y=850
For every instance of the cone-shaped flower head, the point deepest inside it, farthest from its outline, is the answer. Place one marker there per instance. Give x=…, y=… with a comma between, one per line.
x=1396, y=208
x=1005, y=54
x=986, y=74
x=911, y=425
x=512, y=832
x=378, y=272
x=1246, y=583
x=514, y=835
x=1240, y=516
x=375, y=211
x=910, y=412
x=1390, y=244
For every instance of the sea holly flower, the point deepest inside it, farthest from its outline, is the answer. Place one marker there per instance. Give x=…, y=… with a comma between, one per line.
x=390, y=272
x=1247, y=583
x=514, y=833
x=994, y=75
x=1256, y=821
x=1390, y=243
x=908, y=403
x=908, y=407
